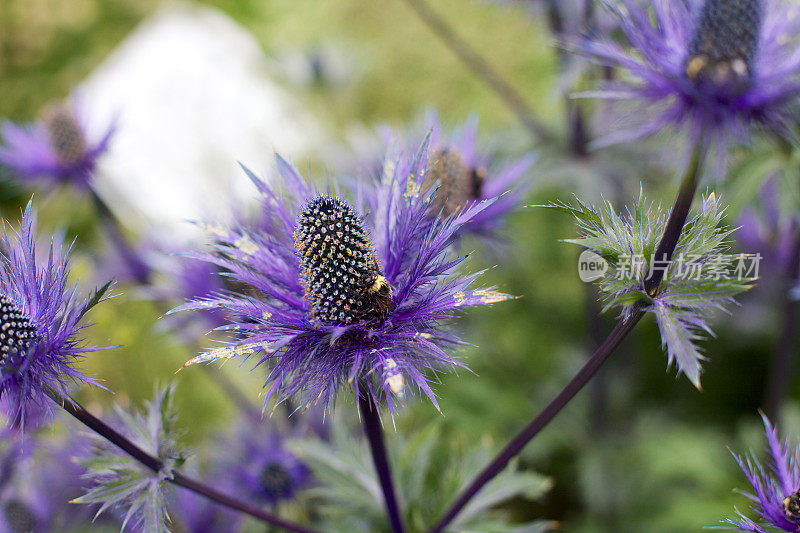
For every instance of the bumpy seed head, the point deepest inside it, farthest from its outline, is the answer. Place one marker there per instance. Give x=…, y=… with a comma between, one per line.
x=16, y=334
x=791, y=506
x=275, y=479
x=66, y=137
x=725, y=42
x=458, y=184
x=342, y=279
x=19, y=517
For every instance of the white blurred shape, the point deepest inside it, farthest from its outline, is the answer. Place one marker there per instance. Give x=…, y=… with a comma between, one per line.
x=193, y=96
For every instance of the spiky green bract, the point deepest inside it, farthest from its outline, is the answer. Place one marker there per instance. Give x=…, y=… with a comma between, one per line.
x=701, y=277
x=429, y=474
x=121, y=482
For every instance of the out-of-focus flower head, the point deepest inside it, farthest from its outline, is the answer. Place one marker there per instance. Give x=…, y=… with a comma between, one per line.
x=38, y=481
x=122, y=484
x=702, y=276
x=261, y=466
x=39, y=322
x=338, y=295
x=776, y=489
x=461, y=175
x=191, y=513
x=56, y=149
x=179, y=278
x=716, y=68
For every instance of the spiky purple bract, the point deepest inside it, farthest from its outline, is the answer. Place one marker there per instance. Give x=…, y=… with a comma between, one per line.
x=774, y=489
x=311, y=360
x=33, y=288
x=668, y=86
x=57, y=149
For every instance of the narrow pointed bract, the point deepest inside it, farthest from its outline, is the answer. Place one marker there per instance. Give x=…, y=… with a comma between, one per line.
x=775, y=497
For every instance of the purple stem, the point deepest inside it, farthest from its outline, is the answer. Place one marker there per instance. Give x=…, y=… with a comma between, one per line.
x=523, y=437
x=139, y=270
x=110, y=434
x=374, y=432
x=783, y=362
x=482, y=68
x=666, y=247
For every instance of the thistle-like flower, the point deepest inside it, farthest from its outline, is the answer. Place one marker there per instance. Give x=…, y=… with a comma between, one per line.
x=37, y=481
x=461, y=175
x=53, y=150
x=39, y=323
x=338, y=295
x=715, y=67
x=123, y=484
x=262, y=467
x=776, y=490
x=701, y=277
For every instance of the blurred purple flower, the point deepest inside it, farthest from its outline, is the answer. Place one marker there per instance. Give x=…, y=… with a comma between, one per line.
x=260, y=466
x=39, y=323
x=53, y=150
x=714, y=67
x=462, y=175
x=776, y=491
x=37, y=483
x=337, y=298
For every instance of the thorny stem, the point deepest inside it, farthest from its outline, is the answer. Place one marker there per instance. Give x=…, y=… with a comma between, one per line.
x=783, y=361
x=374, y=432
x=665, y=249
x=480, y=67
x=110, y=434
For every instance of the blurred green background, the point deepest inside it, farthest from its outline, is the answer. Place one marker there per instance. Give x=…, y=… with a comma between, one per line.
x=638, y=450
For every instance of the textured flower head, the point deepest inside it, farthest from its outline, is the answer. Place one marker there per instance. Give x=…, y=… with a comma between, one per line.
x=53, y=150
x=262, y=467
x=715, y=67
x=340, y=293
x=461, y=175
x=39, y=322
x=776, y=489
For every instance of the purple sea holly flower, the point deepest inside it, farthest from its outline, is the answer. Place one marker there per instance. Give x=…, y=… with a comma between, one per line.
x=338, y=295
x=39, y=323
x=262, y=467
x=776, y=490
x=462, y=175
x=715, y=68
x=37, y=482
x=56, y=149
